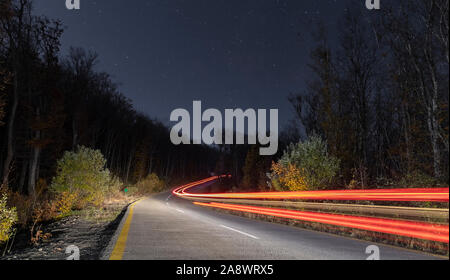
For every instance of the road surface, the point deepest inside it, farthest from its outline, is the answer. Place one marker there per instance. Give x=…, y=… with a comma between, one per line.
x=170, y=228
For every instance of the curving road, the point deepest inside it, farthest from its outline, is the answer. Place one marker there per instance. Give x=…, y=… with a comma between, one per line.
x=170, y=228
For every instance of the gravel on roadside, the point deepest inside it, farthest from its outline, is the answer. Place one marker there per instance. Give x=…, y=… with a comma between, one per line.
x=91, y=237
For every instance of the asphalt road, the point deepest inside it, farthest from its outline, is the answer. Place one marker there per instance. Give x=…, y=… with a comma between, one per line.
x=169, y=228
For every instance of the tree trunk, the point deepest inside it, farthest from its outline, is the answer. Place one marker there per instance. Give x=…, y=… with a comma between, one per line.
x=433, y=130
x=74, y=135
x=23, y=174
x=12, y=117
x=34, y=162
x=33, y=170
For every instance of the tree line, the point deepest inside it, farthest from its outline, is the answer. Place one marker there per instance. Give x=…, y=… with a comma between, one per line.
x=380, y=95
x=50, y=104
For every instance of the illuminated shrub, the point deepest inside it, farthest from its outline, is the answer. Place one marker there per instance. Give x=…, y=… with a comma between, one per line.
x=304, y=166
x=287, y=178
x=151, y=183
x=65, y=202
x=82, y=174
x=8, y=216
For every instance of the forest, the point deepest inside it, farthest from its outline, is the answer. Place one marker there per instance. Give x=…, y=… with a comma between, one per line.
x=380, y=97
x=51, y=104
x=376, y=107
x=376, y=103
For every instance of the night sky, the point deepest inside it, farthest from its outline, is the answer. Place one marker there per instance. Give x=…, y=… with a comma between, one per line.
x=228, y=54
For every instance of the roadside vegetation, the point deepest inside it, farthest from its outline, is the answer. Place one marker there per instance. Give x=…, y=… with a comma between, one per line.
x=82, y=186
x=305, y=166
x=8, y=216
x=81, y=179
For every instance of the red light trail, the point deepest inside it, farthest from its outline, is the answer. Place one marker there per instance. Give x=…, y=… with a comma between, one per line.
x=413, y=194
x=421, y=230
x=428, y=231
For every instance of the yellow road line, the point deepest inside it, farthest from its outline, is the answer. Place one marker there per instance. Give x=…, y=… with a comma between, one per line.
x=121, y=242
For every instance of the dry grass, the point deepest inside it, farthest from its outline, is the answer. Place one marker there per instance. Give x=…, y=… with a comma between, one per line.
x=110, y=209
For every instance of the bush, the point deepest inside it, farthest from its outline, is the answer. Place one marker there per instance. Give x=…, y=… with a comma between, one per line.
x=8, y=217
x=81, y=174
x=64, y=203
x=114, y=187
x=132, y=191
x=150, y=184
x=305, y=166
x=287, y=178
x=42, y=207
x=23, y=205
x=418, y=179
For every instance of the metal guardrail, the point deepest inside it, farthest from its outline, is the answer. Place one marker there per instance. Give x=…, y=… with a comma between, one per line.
x=400, y=221
x=372, y=210
x=285, y=200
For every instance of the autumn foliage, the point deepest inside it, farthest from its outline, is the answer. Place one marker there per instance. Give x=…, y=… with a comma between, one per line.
x=8, y=216
x=305, y=166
